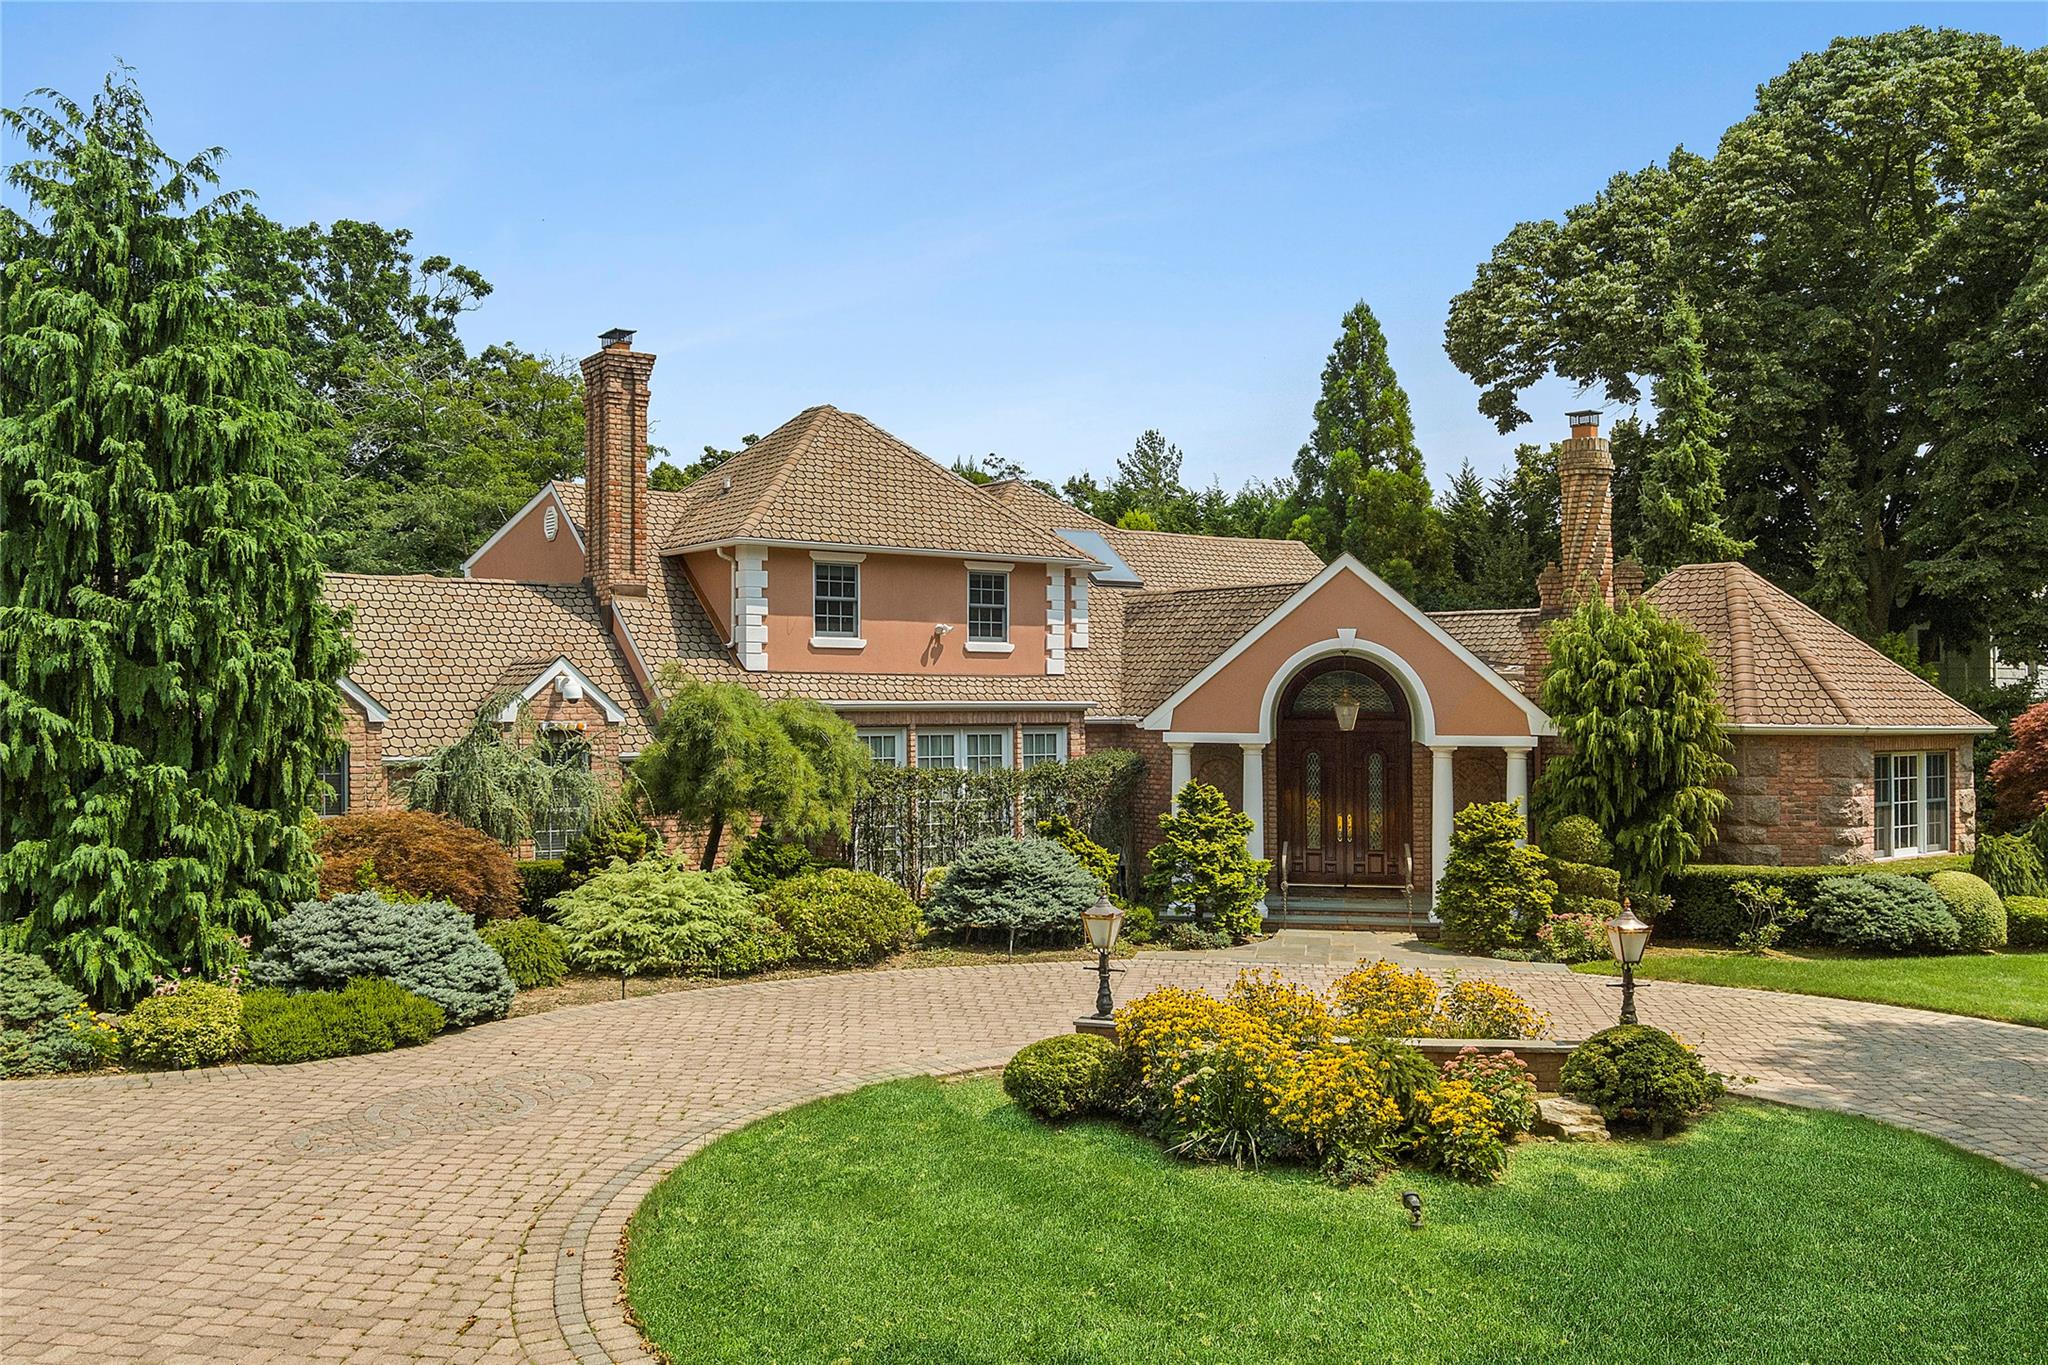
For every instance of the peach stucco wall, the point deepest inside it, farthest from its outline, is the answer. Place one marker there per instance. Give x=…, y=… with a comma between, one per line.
x=712, y=579
x=525, y=552
x=901, y=598
x=1464, y=702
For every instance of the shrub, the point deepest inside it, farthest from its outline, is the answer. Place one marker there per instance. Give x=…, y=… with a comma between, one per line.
x=762, y=860
x=198, y=1024
x=1031, y=888
x=1201, y=863
x=1384, y=1000
x=1462, y=1137
x=656, y=915
x=1505, y=1081
x=540, y=881
x=1979, y=913
x=1347, y=1107
x=2011, y=864
x=430, y=948
x=44, y=1024
x=1770, y=912
x=1577, y=839
x=1496, y=891
x=614, y=834
x=1704, y=907
x=1884, y=913
x=1091, y=855
x=841, y=918
x=2037, y=835
x=1062, y=1077
x=1574, y=937
x=2019, y=776
x=531, y=948
x=2026, y=920
x=367, y=1015
x=1192, y=938
x=1636, y=1074
x=1586, y=881
x=420, y=856
x=1141, y=922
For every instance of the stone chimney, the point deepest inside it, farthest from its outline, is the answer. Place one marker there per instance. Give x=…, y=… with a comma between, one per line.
x=616, y=553
x=1585, y=476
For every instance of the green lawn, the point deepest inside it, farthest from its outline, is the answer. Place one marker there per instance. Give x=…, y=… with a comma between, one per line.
x=2009, y=986
x=921, y=1221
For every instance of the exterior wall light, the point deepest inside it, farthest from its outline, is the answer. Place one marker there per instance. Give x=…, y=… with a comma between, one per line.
x=1627, y=937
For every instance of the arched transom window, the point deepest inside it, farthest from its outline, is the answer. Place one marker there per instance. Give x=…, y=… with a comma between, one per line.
x=1319, y=695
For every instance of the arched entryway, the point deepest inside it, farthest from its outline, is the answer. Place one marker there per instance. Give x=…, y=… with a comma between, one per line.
x=1344, y=742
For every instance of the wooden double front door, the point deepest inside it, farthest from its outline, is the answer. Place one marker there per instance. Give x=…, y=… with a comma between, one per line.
x=1344, y=807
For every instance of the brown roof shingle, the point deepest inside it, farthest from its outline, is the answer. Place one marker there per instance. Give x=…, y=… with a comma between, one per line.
x=1171, y=636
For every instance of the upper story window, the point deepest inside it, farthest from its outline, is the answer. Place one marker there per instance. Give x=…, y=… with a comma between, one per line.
x=1912, y=805
x=334, y=773
x=988, y=606
x=835, y=600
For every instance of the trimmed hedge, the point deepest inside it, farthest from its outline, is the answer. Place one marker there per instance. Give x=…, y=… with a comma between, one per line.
x=1704, y=910
x=1586, y=881
x=1577, y=839
x=540, y=881
x=1061, y=1077
x=842, y=918
x=1978, y=911
x=2026, y=921
x=367, y=1015
x=1884, y=914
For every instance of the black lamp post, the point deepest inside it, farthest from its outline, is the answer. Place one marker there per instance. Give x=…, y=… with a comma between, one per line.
x=1102, y=923
x=1627, y=936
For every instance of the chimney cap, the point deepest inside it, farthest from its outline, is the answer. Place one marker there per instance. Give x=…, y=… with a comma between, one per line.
x=1589, y=417
x=618, y=336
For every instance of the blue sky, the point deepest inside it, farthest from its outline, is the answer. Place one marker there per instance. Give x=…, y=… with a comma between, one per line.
x=1029, y=230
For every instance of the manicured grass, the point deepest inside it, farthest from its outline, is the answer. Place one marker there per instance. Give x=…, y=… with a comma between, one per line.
x=2010, y=986
x=921, y=1221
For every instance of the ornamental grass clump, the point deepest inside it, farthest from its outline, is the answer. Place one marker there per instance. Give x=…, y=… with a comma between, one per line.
x=1638, y=1075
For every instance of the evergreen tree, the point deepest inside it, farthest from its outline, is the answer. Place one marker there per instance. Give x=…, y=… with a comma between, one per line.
x=505, y=781
x=1632, y=692
x=1680, y=488
x=167, y=666
x=1467, y=523
x=1202, y=864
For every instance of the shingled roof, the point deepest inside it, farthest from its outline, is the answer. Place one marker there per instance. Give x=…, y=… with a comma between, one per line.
x=431, y=651
x=1171, y=636
x=1169, y=561
x=832, y=477
x=1781, y=663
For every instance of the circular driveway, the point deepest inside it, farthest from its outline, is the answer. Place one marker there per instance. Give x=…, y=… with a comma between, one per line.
x=463, y=1201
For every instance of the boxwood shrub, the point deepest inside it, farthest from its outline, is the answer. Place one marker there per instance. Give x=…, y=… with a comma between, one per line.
x=1883, y=913
x=1635, y=1074
x=430, y=948
x=2026, y=921
x=1033, y=888
x=540, y=881
x=842, y=918
x=532, y=950
x=367, y=1015
x=197, y=1025
x=1577, y=839
x=1704, y=908
x=1061, y=1077
x=1979, y=913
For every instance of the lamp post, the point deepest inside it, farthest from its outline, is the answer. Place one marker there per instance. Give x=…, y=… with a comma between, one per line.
x=1102, y=923
x=1627, y=936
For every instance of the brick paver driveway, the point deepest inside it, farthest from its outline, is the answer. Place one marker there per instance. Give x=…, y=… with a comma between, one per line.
x=462, y=1201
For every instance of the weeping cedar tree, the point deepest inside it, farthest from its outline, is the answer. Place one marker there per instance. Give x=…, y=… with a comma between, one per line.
x=1632, y=693
x=722, y=755
x=167, y=667
x=504, y=779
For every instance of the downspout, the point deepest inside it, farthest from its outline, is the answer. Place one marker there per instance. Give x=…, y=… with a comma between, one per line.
x=732, y=597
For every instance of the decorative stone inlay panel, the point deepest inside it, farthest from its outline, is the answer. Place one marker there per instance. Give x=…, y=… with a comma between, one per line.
x=407, y=1114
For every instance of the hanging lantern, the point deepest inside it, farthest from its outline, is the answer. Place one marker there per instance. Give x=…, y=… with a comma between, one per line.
x=1346, y=707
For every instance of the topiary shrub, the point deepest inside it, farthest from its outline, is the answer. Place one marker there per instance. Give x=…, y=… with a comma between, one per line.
x=1086, y=851
x=1027, y=888
x=419, y=856
x=1201, y=864
x=842, y=918
x=1577, y=839
x=532, y=950
x=1978, y=912
x=540, y=881
x=2026, y=922
x=1585, y=882
x=198, y=1024
x=367, y=1015
x=1496, y=891
x=1061, y=1077
x=430, y=948
x=657, y=915
x=2011, y=864
x=1635, y=1074
x=44, y=1024
x=1879, y=912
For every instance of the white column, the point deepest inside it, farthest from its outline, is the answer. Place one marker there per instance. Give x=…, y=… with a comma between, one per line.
x=1183, y=771
x=1439, y=817
x=1255, y=802
x=1518, y=785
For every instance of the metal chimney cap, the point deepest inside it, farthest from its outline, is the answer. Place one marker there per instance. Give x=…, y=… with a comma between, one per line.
x=1588, y=418
x=618, y=336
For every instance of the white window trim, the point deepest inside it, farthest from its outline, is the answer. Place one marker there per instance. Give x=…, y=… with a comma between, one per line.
x=1919, y=847
x=837, y=557
x=990, y=647
x=959, y=734
x=838, y=642
x=897, y=733
x=1059, y=735
x=854, y=640
x=1005, y=645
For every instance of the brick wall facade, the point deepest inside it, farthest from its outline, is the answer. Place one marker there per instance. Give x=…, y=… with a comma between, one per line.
x=1804, y=800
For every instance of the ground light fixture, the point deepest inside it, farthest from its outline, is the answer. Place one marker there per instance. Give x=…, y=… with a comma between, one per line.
x=1412, y=1202
x=1103, y=923
x=1627, y=936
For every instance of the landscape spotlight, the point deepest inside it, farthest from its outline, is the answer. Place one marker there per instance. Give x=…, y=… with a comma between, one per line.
x=1412, y=1201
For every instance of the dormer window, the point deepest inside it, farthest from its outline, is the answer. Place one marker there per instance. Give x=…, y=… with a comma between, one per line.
x=988, y=606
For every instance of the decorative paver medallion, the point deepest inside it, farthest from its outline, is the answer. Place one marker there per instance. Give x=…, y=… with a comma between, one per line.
x=439, y=1109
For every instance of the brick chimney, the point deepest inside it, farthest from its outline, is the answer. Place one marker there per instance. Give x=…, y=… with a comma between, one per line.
x=616, y=553
x=1585, y=475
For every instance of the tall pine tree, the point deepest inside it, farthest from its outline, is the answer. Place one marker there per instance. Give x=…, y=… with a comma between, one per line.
x=167, y=667
x=1680, y=493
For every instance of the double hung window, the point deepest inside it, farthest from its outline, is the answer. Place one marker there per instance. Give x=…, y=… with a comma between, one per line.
x=1912, y=804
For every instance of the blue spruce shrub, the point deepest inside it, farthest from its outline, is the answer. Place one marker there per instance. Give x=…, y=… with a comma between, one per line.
x=1033, y=887
x=1883, y=912
x=428, y=947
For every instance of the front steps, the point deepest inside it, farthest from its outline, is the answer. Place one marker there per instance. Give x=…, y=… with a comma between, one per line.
x=1377, y=912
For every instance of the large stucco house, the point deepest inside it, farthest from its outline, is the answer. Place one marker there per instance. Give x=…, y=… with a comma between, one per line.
x=971, y=626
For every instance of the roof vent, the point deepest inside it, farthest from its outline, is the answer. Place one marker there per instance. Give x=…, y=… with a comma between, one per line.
x=621, y=337
x=548, y=523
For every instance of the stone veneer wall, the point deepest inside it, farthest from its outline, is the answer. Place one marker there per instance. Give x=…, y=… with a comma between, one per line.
x=1808, y=800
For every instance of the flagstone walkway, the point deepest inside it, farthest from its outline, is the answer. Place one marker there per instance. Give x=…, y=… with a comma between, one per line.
x=463, y=1201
